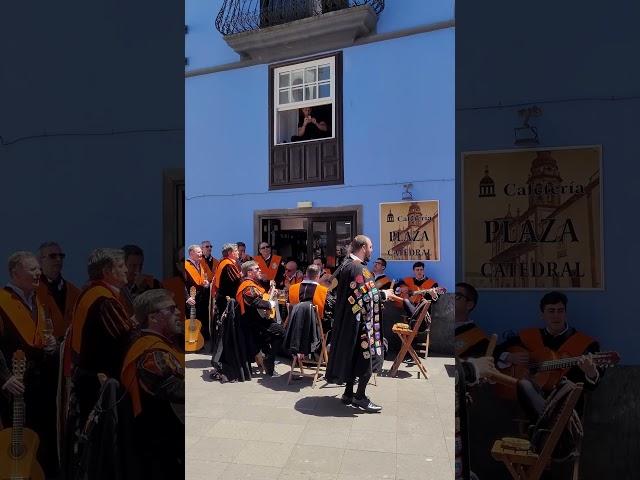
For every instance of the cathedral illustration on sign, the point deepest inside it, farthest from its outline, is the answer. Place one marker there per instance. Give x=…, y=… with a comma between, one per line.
x=416, y=237
x=553, y=243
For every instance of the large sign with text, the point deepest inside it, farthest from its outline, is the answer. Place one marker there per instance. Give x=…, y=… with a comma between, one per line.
x=532, y=219
x=410, y=230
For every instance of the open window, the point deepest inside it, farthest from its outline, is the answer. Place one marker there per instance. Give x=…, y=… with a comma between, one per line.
x=305, y=100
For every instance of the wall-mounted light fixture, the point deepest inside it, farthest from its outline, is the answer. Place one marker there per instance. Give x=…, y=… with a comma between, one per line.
x=407, y=195
x=527, y=135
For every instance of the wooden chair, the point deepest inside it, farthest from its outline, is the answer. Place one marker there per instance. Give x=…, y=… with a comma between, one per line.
x=517, y=455
x=407, y=336
x=323, y=357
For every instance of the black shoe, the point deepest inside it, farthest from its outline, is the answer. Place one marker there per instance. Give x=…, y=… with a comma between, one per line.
x=365, y=404
x=346, y=399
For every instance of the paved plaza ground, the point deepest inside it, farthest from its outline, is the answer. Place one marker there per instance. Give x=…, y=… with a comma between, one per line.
x=267, y=430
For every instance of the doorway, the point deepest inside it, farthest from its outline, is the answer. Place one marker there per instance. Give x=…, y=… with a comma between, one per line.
x=304, y=233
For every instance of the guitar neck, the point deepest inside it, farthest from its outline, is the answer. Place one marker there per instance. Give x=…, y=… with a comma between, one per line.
x=559, y=364
x=17, y=432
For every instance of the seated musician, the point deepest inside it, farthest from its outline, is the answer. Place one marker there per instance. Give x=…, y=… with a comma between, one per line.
x=311, y=290
x=382, y=281
x=254, y=311
x=419, y=281
x=292, y=275
x=153, y=374
x=470, y=340
x=270, y=265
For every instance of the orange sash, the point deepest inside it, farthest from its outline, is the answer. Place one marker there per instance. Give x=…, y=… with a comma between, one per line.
x=410, y=281
x=205, y=267
x=221, y=265
x=319, y=296
x=80, y=312
x=243, y=285
x=195, y=275
x=129, y=375
x=574, y=346
x=468, y=339
x=381, y=281
x=61, y=320
x=269, y=271
x=20, y=316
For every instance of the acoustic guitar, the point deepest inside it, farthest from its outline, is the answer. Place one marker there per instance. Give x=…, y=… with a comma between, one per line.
x=193, y=339
x=546, y=368
x=269, y=296
x=19, y=445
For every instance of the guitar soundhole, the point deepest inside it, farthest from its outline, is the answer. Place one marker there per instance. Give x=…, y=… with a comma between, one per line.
x=16, y=451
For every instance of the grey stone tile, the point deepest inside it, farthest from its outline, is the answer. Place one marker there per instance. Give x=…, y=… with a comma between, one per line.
x=198, y=426
x=197, y=469
x=315, y=459
x=421, y=467
x=363, y=463
x=302, y=475
x=215, y=449
x=420, y=444
x=238, y=429
x=318, y=435
x=279, y=432
x=374, y=441
x=375, y=422
x=250, y=472
x=265, y=453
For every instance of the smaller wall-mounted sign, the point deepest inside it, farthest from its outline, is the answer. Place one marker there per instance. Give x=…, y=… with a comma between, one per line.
x=410, y=230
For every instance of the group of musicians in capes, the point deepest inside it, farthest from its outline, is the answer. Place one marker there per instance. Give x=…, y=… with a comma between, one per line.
x=487, y=409
x=102, y=381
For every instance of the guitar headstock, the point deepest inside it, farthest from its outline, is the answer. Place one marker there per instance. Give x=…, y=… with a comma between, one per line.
x=19, y=364
x=606, y=359
x=192, y=292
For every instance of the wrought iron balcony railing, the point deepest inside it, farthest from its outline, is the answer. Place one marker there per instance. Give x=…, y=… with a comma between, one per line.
x=237, y=16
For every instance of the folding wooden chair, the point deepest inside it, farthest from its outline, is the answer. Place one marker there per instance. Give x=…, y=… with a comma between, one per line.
x=321, y=362
x=517, y=455
x=407, y=336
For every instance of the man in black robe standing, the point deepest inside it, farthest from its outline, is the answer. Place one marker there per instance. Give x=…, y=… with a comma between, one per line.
x=357, y=347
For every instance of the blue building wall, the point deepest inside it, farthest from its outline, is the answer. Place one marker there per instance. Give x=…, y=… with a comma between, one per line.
x=572, y=71
x=83, y=69
x=398, y=121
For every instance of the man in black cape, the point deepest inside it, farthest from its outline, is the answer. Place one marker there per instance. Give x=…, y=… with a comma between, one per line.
x=357, y=347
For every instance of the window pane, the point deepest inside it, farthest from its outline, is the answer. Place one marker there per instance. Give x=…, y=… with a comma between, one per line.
x=296, y=94
x=296, y=77
x=324, y=90
x=284, y=96
x=310, y=92
x=284, y=80
x=310, y=75
x=323, y=72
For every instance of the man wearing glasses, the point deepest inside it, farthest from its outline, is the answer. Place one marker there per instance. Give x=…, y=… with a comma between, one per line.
x=153, y=374
x=208, y=262
x=380, y=278
x=270, y=265
x=267, y=333
x=57, y=294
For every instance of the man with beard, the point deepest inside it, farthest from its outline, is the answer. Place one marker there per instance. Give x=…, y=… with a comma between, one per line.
x=357, y=348
x=22, y=327
x=58, y=295
x=153, y=375
x=267, y=334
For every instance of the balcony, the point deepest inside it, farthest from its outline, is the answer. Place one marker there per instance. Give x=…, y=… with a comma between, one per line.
x=269, y=30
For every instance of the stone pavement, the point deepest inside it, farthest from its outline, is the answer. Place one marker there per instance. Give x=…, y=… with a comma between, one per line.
x=268, y=430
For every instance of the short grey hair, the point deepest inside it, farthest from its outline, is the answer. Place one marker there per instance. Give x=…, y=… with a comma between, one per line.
x=227, y=248
x=246, y=266
x=193, y=247
x=48, y=244
x=147, y=303
x=313, y=271
x=102, y=258
x=17, y=258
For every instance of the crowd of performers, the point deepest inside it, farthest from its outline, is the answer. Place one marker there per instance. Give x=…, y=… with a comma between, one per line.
x=499, y=395
x=249, y=322
x=96, y=373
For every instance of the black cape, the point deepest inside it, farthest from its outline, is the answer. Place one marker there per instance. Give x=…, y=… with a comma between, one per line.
x=233, y=349
x=302, y=334
x=357, y=344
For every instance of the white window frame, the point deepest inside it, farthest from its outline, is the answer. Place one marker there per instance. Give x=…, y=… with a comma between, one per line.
x=330, y=100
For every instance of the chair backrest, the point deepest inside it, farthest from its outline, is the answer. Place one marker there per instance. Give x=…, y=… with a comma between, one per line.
x=420, y=315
